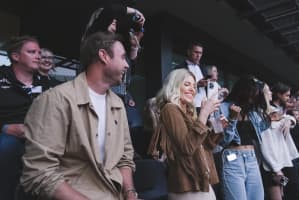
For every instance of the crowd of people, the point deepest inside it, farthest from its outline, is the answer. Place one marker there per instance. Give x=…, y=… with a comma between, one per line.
x=73, y=140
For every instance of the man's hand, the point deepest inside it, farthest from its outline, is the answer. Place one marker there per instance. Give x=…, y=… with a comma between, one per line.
x=15, y=130
x=128, y=185
x=135, y=39
x=141, y=19
x=131, y=196
x=66, y=192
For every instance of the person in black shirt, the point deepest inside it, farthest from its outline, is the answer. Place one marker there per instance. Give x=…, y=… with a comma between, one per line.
x=19, y=85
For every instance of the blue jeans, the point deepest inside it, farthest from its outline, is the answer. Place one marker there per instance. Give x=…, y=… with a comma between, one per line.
x=11, y=151
x=241, y=178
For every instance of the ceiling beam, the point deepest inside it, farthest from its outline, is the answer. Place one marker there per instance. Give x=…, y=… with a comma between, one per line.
x=265, y=8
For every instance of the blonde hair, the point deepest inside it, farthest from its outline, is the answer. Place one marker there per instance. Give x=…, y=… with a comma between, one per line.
x=170, y=91
x=268, y=107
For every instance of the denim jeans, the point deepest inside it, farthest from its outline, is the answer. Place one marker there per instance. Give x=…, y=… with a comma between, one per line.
x=241, y=178
x=11, y=151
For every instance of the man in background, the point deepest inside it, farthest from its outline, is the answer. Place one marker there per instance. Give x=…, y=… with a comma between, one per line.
x=192, y=63
x=19, y=85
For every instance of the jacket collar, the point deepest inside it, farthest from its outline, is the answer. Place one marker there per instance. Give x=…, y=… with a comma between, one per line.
x=188, y=62
x=82, y=95
x=10, y=75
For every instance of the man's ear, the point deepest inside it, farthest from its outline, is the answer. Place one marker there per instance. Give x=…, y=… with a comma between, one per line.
x=15, y=56
x=103, y=56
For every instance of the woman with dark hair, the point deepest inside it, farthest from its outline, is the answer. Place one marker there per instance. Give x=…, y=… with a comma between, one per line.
x=245, y=109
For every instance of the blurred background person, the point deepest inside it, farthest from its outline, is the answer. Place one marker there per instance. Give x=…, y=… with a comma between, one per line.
x=213, y=87
x=46, y=65
x=19, y=85
x=281, y=95
x=185, y=139
x=214, y=90
x=276, y=160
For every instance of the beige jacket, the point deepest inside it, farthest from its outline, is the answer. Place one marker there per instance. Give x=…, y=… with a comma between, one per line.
x=61, y=132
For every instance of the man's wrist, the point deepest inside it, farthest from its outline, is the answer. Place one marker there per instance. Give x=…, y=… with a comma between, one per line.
x=131, y=192
x=134, y=48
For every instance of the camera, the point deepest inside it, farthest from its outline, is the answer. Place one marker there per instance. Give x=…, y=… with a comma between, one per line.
x=136, y=26
x=136, y=17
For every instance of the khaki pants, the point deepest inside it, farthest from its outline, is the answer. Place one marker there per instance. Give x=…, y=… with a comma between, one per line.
x=193, y=195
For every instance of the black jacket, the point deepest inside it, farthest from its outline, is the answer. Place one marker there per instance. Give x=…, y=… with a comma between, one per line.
x=184, y=65
x=15, y=97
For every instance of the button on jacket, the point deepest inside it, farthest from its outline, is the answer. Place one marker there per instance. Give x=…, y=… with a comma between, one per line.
x=61, y=132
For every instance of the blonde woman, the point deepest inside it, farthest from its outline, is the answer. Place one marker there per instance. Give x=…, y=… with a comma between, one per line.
x=185, y=138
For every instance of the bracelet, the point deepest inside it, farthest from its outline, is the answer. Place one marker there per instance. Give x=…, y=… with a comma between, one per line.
x=132, y=190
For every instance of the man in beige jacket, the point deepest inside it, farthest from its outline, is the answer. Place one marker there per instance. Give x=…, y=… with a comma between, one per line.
x=78, y=143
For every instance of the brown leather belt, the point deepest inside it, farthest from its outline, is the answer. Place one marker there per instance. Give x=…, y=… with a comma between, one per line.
x=241, y=147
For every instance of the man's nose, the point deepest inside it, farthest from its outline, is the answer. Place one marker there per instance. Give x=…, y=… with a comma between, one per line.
x=126, y=65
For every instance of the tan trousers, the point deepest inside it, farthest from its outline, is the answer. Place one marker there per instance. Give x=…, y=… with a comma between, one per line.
x=193, y=195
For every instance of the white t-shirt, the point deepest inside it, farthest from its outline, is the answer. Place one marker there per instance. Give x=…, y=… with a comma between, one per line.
x=99, y=103
x=201, y=93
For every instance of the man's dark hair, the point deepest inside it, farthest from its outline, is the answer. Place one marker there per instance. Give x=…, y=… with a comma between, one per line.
x=193, y=44
x=279, y=88
x=16, y=43
x=92, y=44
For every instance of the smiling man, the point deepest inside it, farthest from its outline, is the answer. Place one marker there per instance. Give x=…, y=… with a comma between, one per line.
x=79, y=145
x=19, y=85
